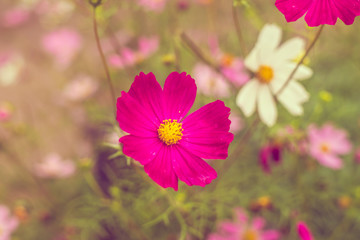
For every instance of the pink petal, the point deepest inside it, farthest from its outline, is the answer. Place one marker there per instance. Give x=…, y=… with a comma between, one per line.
x=330, y=161
x=347, y=10
x=148, y=92
x=270, y=235
x=134, y=118
x=304, y=231
x=206, y=131
x=179, y=95
x=141, y=149
x=161, y=168
x=190, y=168
x=293, y=9
x=258, y=223
x=241, y=216
x=321, y=12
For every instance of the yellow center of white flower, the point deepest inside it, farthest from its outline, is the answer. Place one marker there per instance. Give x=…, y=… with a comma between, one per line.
x=265, y=74
x=249, y=235
x=325, y=148
x=170, y=131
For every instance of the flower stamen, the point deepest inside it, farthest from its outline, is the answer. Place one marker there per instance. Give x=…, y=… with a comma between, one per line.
x=325, y=148
x=170, y=131
x=265, y=74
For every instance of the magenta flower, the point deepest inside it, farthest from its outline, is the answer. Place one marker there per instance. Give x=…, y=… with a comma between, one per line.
x=168, y=144
x=271, y=151
x=304, y=231
x=243, y=229
x=326, y=143
x=320, y=12
x=8, y=223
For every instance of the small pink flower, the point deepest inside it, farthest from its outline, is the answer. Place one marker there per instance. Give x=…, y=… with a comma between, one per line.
x=82, y=87
x=357, y=155
x=244, y=229
x=63, y=44
x=326, y=143
x=54, y=167
x=130, y=57
x=209, y=82
x=237, y=123
x=15, y=17
x=304, y=232
x=319, y=12
x=8, y=223
x=153, y=5
x=6, y=110
x=168, y=143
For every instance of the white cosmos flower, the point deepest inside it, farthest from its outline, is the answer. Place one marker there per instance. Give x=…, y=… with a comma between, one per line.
x=272, y=64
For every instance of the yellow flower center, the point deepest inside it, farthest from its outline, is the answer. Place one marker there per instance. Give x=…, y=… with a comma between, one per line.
x=249, y=235
x=325, y=148
x=265, y=74
x=170, y=131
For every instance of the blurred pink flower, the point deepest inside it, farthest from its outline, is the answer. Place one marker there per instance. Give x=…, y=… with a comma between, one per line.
x=237, y=123
x=231, y=67
x=63, y=44
x=54, y=167
x=304, y=232
x=6, y=110
x=244, y=229
x=80, y=88
x=153, y=5
x=318, y=12
x=209, y=82
x=11, y=64
x=130, y=57
x=357, y=155
x=271, y=151
x=169, y=144
x=326, y=143
x=15, y=17
x=8, y=223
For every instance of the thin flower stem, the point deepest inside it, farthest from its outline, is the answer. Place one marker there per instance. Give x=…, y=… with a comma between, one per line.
x=235, y=15
x=301, y=60
x=106, y=68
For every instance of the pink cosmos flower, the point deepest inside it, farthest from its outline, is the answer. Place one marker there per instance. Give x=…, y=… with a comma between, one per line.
x=170, y=145
x=209, y=82
x=326, y=143
x=320, y=12
x=304, y=232
x=243, y=229
x=130, y=57
x=63, y=44
x=15, y=17
x=231, y=67
x=8, y=223
x=54, y=167
x=152, y=5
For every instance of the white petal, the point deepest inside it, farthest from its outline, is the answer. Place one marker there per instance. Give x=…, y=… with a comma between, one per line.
x=266, y=106
x=268, y=40
x=291, y=49
x=292, y=98
x=246, y=99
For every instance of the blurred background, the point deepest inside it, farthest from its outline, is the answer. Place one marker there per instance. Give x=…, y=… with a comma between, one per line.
x=64, y=175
